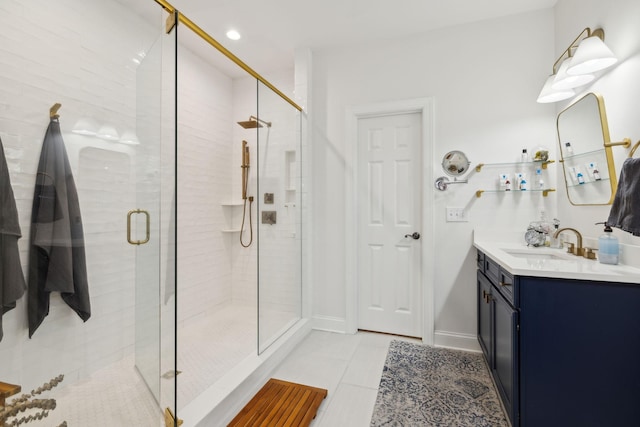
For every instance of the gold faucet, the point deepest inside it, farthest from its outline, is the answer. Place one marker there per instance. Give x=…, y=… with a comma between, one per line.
x=579, y=250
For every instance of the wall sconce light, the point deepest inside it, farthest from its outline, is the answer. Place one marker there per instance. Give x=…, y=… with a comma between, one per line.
x=586, y=55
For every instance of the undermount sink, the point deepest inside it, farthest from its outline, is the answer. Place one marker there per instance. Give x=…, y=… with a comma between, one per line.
x=533, y=254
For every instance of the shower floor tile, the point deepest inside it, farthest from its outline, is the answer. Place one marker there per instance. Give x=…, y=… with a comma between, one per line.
x=210, y=347
x=116, y=395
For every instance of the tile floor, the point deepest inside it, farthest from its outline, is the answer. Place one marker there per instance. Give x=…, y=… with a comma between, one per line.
x=348, y=366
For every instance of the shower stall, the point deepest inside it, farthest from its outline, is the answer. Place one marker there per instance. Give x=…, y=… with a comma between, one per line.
x=192, y=222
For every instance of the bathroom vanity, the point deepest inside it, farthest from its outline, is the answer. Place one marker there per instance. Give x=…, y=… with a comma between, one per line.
x=561, y=335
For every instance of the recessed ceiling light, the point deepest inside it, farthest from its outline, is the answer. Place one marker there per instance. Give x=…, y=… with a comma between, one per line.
x=233, y=35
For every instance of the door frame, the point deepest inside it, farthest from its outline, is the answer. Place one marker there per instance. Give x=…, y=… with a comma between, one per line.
x=425, y=107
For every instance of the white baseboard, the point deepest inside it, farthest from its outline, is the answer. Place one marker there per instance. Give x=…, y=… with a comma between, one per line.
x=457, y=341
x=329, y=324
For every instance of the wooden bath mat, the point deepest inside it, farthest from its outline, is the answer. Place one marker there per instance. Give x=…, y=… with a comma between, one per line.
x=281, y=403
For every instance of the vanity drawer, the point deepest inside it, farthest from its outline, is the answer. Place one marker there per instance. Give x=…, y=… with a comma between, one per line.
x=505, y=285
x=492, y=270
x=501, y=279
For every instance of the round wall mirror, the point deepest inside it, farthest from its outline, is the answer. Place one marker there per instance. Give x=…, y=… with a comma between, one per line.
x=455, y=163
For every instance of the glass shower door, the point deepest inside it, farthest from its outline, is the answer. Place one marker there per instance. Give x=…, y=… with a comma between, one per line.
x=279, y=213
x=151, y=223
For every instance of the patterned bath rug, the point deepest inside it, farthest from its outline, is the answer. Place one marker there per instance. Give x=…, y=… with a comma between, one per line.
x=427, y=386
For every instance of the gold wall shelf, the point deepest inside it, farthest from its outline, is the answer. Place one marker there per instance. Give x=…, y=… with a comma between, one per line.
x=545, y=192
x=543, y=164
x=535, y=163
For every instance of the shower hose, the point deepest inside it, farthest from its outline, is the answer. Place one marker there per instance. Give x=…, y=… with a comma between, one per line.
x=244, y=214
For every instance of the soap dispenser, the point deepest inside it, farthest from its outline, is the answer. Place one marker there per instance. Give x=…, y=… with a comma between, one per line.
x=608, y=248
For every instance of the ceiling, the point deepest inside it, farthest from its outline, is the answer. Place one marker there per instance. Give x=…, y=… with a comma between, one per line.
x=272, y=29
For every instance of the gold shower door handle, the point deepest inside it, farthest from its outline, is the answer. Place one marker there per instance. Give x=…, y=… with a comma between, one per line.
x=148, y=226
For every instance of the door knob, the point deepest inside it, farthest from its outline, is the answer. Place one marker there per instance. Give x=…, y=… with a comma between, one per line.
x=414, y=236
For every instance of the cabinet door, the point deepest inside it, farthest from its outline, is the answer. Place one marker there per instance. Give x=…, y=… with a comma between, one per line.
x=580, y=353
x=484, y=317
x=505, y=356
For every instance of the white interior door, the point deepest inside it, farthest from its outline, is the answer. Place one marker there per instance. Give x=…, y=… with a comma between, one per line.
x=389, y=204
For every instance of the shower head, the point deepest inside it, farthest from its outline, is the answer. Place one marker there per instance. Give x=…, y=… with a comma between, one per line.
x=250, y=124
x=253, y=123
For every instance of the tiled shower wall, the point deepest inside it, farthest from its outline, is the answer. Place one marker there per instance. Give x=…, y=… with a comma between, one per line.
x=205, y=100
x=80, y=55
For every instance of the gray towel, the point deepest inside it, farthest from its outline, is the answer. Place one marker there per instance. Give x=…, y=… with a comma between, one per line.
x=12, y=283
x=56, y=256
x=625, y=210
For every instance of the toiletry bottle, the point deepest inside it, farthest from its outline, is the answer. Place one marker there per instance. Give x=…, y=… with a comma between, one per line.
x=568, y=148
x=608, y=248
x=596, y=175
x=524, y=157
x=580, y=178
x=503, y=182
x=539, y=180
x=507, y=185
x=523, y=184
x=555, y=241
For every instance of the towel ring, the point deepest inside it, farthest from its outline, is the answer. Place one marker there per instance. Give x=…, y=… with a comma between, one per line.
x=633, y=150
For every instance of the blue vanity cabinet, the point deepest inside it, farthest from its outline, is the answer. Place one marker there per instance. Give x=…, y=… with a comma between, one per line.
x=498, y=331
x=579, y=353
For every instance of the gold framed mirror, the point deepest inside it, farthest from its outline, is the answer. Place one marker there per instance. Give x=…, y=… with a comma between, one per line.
x=585, y=152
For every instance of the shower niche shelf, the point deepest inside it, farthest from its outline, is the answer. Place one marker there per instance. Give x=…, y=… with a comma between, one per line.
x=232, y=215
x=290, y=178
x=230, y=230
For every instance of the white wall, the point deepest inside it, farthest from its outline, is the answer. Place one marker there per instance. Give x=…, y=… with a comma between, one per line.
x=484, y=78
x=620, y=88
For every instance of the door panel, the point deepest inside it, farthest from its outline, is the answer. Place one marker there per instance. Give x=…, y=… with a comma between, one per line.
x=390, y=207
x=505, y=356
x=152, y=219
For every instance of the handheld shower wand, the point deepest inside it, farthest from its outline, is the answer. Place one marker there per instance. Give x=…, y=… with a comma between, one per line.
x=245, y=168
x=245, y=180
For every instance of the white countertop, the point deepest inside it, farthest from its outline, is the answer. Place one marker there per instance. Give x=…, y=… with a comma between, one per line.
x=548, y=262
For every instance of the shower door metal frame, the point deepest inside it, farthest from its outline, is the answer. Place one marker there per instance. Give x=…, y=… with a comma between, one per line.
x=226, y=52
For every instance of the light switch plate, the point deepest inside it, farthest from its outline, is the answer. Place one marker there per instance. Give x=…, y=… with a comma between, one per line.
x=457, y=215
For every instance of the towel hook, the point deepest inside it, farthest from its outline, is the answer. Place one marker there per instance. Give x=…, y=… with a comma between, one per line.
x=53, y=111
x=633, y=150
